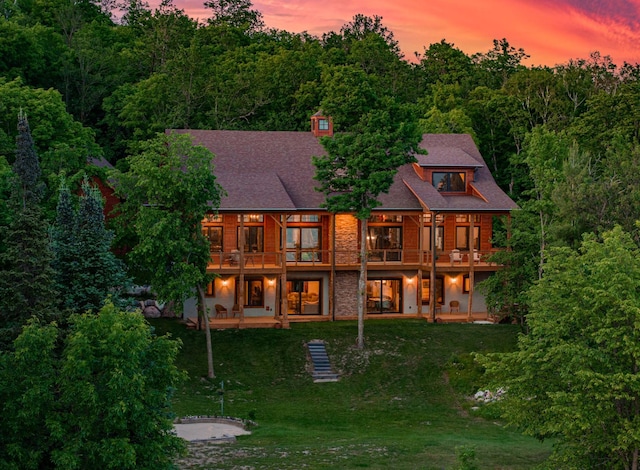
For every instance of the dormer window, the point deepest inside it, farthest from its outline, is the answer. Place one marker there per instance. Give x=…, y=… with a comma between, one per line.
x=321, y=125
x=449, y=181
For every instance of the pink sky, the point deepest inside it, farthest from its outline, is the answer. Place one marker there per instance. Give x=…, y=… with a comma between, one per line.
x=550, y=31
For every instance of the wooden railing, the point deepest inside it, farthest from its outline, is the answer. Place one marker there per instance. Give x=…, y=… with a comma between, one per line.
x=343, y=258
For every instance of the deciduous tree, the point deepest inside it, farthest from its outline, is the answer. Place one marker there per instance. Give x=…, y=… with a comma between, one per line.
x=97, y=396
x=574, y=377
x=360, y=165
x=168, y=189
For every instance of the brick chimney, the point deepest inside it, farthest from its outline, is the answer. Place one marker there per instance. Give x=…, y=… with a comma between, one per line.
x=321, y=125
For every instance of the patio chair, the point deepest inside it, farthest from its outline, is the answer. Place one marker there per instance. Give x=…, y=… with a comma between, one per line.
x=476, y=256
x=454, y=256
x=221, y=311
x=235, y=310
x=454, y=306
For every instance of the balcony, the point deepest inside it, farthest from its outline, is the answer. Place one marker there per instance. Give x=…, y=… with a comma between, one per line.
x=272, y=262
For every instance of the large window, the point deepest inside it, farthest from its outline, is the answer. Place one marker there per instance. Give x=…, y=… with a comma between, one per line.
x=449, y=182
x=426, y=233
x=426, y=290
x=462, y=237
x=384, y=295
x=253, y=238
x=253, y=292
x=384, y=238
x=303, y=297
x=303, y=244
x=214, y=235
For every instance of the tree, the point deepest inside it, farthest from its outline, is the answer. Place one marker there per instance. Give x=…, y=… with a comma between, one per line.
x=27, y=165
x=574, y=377
x=95, y=396
x=360, y=165
x=87, y=271
x=26, y=276
x=168, y=189
x=235, y=14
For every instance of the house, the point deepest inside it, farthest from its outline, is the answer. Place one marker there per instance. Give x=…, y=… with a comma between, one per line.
x=281, y=257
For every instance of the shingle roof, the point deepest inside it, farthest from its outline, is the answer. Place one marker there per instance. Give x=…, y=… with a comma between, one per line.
x=272, y=170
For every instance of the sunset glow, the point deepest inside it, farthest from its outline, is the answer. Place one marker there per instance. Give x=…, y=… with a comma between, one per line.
x=550, y=31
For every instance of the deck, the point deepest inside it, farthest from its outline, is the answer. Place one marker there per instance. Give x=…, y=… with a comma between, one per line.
x=270, y=322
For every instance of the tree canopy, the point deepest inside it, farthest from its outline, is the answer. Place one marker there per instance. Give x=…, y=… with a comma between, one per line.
x=575, y=375
x=95, y=397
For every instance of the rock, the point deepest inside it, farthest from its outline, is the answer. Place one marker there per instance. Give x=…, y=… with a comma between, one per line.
x=151, y=311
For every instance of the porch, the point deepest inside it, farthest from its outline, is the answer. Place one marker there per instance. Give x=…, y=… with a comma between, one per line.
x=272, y=262
x=277, y=323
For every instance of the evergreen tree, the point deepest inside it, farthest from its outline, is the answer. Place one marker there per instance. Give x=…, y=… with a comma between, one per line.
x=27, y=166
x=87, y=271
x=26, y=275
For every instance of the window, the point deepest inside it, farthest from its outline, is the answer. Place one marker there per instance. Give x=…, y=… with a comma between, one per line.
x=253, y=292
x=323, y=124
x=214, y=235
x=303, y=297
x=449, y=182
x=462, y=218
x=465, y=284
x=426, y=233
x=303, y=218
x=462, y=237
x=384, y=238
x=384, y=295
x=251, y=218
x=211, y=217
x=211, y=289
x=380, y=218
x=303, y=244
x=439, y=290
x=253, y=239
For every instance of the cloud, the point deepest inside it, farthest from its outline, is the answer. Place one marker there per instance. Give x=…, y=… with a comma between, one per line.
x=550, y=31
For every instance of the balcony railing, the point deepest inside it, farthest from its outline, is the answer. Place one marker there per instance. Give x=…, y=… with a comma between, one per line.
x=343, y=258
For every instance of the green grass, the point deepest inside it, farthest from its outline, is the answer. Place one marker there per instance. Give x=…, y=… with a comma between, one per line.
x=394, y=406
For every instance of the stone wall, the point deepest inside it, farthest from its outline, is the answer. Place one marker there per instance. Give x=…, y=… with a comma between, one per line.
x=346, y=294
x=346, y=239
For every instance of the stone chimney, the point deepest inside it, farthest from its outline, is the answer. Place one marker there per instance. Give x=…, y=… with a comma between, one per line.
x=321, y=125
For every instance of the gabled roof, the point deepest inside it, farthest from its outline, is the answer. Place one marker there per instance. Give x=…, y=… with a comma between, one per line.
x=272, y=171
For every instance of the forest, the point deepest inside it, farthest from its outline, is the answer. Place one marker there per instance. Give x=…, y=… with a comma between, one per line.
x=97, y=81
x=97, y=78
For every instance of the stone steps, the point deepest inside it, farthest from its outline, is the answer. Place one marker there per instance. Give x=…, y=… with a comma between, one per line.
x=322, y=370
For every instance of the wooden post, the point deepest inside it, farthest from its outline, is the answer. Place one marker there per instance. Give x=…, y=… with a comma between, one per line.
x=283, y=275
x=432, y=279
x=241, y=265
x=472, y=248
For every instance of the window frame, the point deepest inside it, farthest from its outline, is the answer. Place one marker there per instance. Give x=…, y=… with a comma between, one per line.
x=250, y=283
x=444, y=182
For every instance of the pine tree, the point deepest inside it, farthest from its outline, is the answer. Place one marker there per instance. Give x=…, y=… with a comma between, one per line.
x=87, y=271
x=26, y=275
x=27, y=166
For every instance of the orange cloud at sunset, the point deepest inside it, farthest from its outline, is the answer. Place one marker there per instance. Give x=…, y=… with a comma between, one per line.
x=550, y=31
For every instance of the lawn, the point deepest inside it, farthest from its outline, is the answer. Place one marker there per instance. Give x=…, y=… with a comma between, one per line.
x=401, y=403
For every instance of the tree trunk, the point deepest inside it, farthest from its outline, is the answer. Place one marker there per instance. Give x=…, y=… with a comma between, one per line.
x=207, y=331
x=362, y=282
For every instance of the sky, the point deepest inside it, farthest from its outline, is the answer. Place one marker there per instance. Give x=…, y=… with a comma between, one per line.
x=551, y=31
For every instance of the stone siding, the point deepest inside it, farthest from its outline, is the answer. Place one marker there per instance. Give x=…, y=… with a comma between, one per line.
x=346, y=239
x=346, y=294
